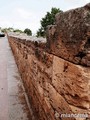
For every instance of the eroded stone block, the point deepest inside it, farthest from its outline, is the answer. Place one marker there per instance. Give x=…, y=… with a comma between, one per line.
x=69, y=38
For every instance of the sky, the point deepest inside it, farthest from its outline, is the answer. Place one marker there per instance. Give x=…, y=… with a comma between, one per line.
x=21, y=14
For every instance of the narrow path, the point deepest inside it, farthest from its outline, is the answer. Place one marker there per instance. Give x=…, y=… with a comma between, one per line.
x=3, y=81
x=13, y=105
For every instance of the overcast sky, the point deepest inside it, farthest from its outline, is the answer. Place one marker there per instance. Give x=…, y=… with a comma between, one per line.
x=28, y=13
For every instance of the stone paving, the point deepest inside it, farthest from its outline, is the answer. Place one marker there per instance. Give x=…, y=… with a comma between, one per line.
x=13, y=104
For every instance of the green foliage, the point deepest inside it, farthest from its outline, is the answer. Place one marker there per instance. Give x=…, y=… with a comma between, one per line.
x=28, y=31
x=4, y=30
x=10, y=29
x=49, y=19
x=17, y=30
x=40, y=32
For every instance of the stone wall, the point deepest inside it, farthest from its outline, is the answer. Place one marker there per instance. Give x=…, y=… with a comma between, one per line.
x=54, y=85
x=69, y=38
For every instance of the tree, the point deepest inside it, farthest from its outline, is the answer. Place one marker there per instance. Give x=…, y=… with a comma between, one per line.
x=49, y=19
x=10, y=29
x=40, y=32
x=28, y=31
x=4, y=30
x=17, y=30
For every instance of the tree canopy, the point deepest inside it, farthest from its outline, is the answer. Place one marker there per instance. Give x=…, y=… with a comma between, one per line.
x=49, y=19
x=28, y=31
x=18, y=30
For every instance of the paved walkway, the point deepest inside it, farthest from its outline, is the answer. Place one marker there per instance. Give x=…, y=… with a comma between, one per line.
x=13, y=105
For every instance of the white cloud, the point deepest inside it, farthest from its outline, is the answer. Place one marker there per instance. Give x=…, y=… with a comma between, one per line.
x=71, y=4
x=87, y=0
x=26, y=19
x=4, y=22
x=29, y=17
x=23, y=13
x=21, y=18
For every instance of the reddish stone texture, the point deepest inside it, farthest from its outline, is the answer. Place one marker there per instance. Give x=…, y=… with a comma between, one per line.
x=54, y=84
x=69, y=38
x=35, y=66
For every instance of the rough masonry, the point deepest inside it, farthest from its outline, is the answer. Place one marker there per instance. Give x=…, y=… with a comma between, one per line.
x=69, y=38
x=56, y=72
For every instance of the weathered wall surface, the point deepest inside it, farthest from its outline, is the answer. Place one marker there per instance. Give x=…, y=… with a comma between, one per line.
x=69, y=38
x=53, y=84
